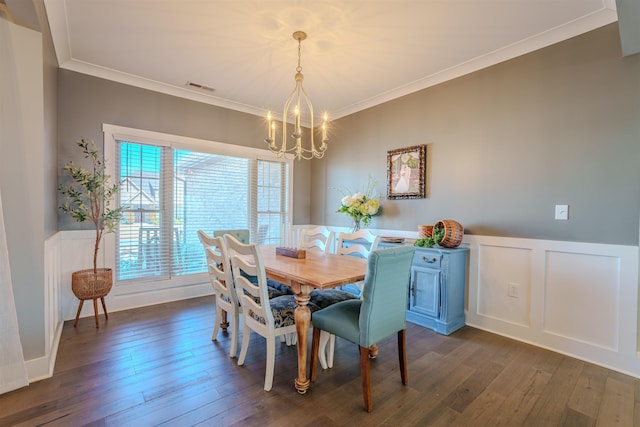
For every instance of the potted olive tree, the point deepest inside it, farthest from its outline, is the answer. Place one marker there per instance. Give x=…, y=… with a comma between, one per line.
x=88, y=198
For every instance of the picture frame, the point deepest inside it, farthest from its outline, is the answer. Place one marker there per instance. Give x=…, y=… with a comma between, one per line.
x=406, y=172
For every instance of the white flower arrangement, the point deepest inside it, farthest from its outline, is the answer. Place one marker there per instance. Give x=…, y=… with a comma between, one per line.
x=360, y=206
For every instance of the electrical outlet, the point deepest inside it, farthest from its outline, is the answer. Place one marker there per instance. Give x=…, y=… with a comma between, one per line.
x=513, y=290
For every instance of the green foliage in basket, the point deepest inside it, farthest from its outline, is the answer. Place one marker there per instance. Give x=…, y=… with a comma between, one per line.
x=90, y=195
x=429, y=242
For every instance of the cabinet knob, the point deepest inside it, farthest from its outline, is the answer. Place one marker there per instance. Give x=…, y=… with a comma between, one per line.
x=429, y=260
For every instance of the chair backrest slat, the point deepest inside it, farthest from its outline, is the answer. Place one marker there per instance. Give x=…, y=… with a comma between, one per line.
x=319, y=237
x=358, y=249
x=218, y=265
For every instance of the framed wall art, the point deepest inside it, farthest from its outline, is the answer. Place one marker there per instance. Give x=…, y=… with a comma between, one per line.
x=406, y=172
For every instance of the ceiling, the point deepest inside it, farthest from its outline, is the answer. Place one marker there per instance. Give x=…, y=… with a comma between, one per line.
x=359, y=53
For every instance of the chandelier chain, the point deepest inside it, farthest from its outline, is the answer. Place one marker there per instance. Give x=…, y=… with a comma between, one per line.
x=299, y=68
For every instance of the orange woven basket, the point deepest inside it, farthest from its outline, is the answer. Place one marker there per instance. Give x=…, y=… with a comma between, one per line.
x=425, y=231
x=87, y=285
x=453, y=233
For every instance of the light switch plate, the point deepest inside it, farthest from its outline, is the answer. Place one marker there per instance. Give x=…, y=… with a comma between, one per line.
x=562, y=212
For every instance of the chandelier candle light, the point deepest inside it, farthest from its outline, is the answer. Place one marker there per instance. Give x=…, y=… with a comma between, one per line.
x=297, y=96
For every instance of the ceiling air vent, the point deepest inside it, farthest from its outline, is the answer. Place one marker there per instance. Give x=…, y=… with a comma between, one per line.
x=199, y=86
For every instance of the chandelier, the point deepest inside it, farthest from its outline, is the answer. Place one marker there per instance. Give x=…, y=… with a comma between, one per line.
x=294, y=106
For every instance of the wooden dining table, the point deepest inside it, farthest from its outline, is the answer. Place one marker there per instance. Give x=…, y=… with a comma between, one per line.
x=318, y=270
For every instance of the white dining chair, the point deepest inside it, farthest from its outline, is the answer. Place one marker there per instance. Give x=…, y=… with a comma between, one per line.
x=322, y=239
x=269, y=318
x=221, y=280
x=359, y=243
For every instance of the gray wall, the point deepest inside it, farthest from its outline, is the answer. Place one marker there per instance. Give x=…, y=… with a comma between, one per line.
x=50, y=94
x=506, y=144
x=28, y=152
x=86, y=102
x=22, y=177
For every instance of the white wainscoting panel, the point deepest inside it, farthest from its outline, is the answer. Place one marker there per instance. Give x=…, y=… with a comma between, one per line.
x=579, y=299
x=582, y=297
x=77, y=247
x=77, y=250
x=42, y=367
x=500, y=268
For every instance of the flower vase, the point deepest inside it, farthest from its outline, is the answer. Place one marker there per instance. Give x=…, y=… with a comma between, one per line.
x=356, y=224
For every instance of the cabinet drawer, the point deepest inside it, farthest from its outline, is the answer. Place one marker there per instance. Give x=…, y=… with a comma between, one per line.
x=427, y=259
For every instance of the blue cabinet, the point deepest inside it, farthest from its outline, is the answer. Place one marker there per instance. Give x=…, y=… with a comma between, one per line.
x=437, y=289
x=436, y=293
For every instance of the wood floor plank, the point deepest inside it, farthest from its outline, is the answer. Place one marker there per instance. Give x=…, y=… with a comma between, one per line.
x=520, y=397
x=550, y=407
x=165, y=406
x=447, y=418
x=158, y=366
x=636, y=407
x=481, y=411
x=522, y=367
x=438, y=391
x=573, y=418
x=587, y=395
x=617, y=403
x=472, y=387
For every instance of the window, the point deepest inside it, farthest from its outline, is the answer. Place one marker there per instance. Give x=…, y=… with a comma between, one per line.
x=174, y=186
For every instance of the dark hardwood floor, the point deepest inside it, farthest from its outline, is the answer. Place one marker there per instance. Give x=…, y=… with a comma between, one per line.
x=158, y=366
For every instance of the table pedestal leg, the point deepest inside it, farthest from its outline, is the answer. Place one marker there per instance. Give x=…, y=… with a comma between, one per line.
x=302, y=317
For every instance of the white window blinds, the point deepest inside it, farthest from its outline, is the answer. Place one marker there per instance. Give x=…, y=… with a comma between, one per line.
x=170, y=192
x=271, y=201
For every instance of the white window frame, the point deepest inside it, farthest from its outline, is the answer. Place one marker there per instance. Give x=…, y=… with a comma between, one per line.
x=113, y=133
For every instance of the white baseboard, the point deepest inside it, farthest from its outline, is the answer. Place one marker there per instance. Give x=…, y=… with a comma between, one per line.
x=43, y=367
x=118, y=302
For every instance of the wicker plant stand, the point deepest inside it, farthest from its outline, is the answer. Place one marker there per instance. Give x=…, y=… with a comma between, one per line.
x=86, y=284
